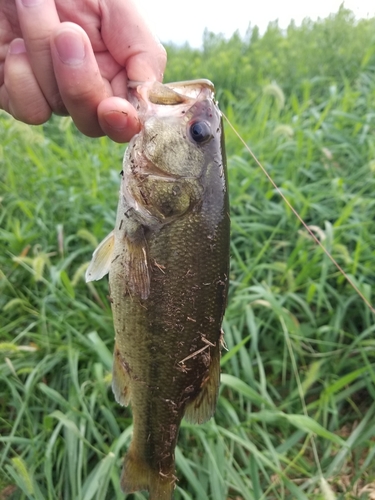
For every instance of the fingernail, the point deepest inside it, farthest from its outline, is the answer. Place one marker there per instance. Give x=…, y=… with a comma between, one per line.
x=17, y=46
x=70, y=48
x=118, y=120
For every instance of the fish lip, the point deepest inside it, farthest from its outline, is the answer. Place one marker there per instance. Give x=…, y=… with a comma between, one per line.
x=148, y=169
x=158, y=173
x=195, y=89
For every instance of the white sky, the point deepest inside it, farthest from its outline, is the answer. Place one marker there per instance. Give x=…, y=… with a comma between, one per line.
x=180, y=21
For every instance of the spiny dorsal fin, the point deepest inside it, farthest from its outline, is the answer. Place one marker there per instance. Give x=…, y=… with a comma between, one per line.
x=101, y=259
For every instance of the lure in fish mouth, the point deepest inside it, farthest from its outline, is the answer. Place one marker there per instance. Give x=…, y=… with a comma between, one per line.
x=168, y=265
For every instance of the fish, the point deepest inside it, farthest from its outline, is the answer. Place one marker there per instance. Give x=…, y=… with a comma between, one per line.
x=168, y=265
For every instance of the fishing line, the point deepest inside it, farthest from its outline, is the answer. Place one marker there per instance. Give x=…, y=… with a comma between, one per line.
x=323, y=482
x=372, y=309
x=300, y=390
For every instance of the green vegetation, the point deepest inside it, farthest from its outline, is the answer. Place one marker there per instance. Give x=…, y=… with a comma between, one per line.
x=296, y=415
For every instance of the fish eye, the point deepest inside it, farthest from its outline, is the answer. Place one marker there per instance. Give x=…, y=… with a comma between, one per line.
x=200, y=131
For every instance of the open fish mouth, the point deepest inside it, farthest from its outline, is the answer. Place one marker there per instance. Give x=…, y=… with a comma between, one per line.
x=172, y=93
x=145, y=96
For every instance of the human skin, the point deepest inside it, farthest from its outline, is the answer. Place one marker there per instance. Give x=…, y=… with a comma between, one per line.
x=75, y=57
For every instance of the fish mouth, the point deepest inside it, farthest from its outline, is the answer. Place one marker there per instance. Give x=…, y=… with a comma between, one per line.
x=149, y=169
x=158, y=98
x=193, y=89
x=145, y=168
x=180, y=92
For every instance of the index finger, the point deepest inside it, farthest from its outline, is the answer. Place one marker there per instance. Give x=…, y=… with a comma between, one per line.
x=131, y=41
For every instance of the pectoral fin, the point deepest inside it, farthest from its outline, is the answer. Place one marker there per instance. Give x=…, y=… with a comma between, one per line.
x=101, y=259
x=203, y=406
x=132, y=253
x=137, y=270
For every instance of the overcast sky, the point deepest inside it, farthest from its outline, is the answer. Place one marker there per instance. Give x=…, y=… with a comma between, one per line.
x=180, y=21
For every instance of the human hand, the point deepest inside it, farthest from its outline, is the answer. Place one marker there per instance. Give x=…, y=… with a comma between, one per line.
x=75, y=57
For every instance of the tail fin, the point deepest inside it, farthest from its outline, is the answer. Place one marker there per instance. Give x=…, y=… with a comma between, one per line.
x=138, y=475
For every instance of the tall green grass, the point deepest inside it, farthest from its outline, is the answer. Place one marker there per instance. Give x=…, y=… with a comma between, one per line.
x=296, y=413
x=323, y=53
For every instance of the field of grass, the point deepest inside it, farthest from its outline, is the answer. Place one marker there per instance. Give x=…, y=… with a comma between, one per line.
x=296, y=413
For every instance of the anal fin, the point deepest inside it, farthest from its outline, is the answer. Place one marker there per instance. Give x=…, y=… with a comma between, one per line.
x=120, y=378
x=202, y=408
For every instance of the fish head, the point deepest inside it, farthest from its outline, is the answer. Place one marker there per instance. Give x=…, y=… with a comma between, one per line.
x=180, y=139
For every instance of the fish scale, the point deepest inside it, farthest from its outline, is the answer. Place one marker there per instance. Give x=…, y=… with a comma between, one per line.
x=168, y=264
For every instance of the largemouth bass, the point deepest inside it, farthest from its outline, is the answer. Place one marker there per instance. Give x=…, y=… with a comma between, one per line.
x=168, y=264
